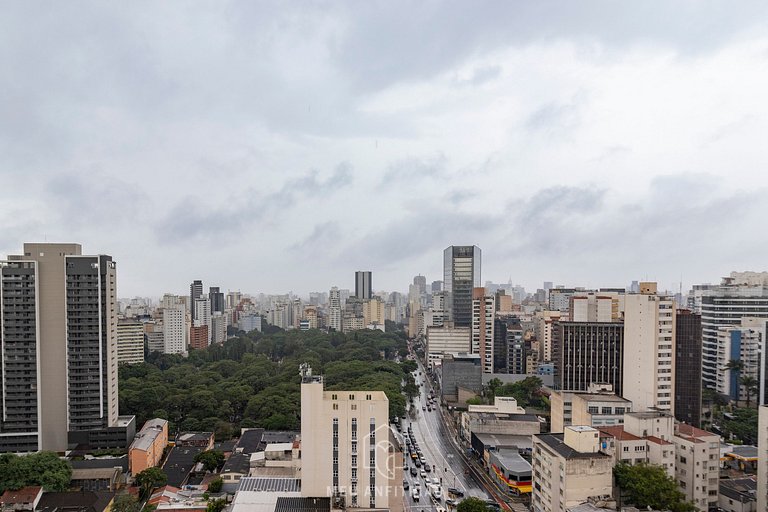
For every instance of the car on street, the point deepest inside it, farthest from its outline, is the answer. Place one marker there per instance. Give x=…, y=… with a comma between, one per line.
x=423, y=407
x=451, y=502
x=437, y=493
x=417, y=462
x=405, y=485
x=427, y=468
x=455, y=492
x=415, y=494
x=423, y=474
x=414, y=471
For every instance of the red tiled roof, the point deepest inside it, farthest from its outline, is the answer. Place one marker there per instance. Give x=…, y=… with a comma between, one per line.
x=684, y=429
x=23, y=495
x=619, y=433
x=657, y=440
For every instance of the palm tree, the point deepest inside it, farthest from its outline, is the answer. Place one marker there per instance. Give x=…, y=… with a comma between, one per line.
x=750, y=386
x=734, y=365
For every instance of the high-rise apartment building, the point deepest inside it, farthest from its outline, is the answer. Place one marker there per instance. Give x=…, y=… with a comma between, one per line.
x=363, y=289
x=347, y=449
x=198, y=337
x=130, y=341
x=688, y=368
x=544, y=323
x=743, y=294
x=740, y=343
x=195, y=292
x=334, y=309
x=461, y=274
x=649, y=350
x=483, y=327
x=588, y=353
x=175, y=330
x=202, y=314
x=217, y=299
x=58, y=332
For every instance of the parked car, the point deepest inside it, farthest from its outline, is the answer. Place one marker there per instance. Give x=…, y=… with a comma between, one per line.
x=455, y=492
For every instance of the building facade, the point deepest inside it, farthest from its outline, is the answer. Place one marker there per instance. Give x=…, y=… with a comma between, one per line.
x=688, y=368
x=649, y=350
x=483, y=327
x=363, y=284
x=59, y=339
x=347, y=451
x=588, y=353
x=175, y=330
x=461, y=273
x=130, y=341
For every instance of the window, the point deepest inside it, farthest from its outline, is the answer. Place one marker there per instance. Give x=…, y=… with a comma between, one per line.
x=335, y=407
x=606, y=410
x=334, y=397
x=592, y=409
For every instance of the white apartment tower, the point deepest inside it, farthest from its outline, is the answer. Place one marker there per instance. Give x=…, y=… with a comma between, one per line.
x=334, y=309
x=175, y=330
x=348, y=452
x=202, y=315
x=483, y=327
x=649, y=350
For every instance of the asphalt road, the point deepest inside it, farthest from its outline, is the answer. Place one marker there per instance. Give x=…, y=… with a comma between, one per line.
x=435, y=442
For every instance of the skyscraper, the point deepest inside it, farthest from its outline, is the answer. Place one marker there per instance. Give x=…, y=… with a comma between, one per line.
x=217, y=299
x=688, y=368
x=59, y=337
x=363, y=288
x=195, y=292
x=461, y=273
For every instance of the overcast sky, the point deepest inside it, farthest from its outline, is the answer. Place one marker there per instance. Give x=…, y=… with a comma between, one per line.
x=270, y=147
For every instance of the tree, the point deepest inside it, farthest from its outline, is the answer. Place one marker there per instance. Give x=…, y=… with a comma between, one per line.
x=216, y=505
x=211, y=459
x=125, y=503
x=215, y=485
x=45, y=469
x=649, y=486
x=493, y=387
x=472, y=504
x=149, y=479
x=750, y=386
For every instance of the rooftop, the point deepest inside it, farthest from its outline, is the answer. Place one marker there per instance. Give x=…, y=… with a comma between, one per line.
x=266, y=484
x=692, y=433
x=239, y=463
x=741, y=489
x=285, y=504
x=20, y=496
x=102, y=462
x=95, y=473
x=602, y=397
x=555, y=443
x=619, y=433
x=180, y=463
x=78, y=501
x=748, y=453
x=505, y=440
x=249, y=440
x=190, y=437
x=512, y=461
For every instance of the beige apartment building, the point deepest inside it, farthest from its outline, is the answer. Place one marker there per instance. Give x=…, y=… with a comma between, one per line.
x=447, y=340
x=649, y=350
x=130, y=341
x=697, y=468
x=348, y=451
x=645, y=437
x=543, y=323
x=569, y=469
x=598, y=407
x=60, y=354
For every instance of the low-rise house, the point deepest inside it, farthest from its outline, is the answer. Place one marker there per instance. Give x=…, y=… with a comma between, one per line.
x=96, y=479
x=172, y=498
x=738, y=495
x=23, y=499
x=76, y=501
x=180, y=464
x=202, y=440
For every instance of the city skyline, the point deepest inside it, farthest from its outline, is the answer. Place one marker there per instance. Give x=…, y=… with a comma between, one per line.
x=598, y=152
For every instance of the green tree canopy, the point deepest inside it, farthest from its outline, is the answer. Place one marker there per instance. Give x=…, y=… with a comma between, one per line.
x=648, y=485
x=125, y=503
x=215, y=485
x=149, y=479
x=45, y=469
x=472, y=504
x=211, y=459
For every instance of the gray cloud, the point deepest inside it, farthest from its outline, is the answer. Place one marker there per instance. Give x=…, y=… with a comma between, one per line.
x=411, y=169
x=323, y=238
x=192, y=219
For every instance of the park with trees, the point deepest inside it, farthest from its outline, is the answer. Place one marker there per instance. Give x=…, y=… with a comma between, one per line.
x=252, y=380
